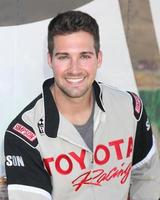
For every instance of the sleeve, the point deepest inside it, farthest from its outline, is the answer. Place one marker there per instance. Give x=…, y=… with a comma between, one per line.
x=145, y=176
x=25, y=172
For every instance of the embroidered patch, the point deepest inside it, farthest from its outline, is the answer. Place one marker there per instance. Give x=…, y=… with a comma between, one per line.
x=41, y=126
x=137, y=103
x=25, y=132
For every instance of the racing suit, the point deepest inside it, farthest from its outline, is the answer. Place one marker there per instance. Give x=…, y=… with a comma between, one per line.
x=46, y=158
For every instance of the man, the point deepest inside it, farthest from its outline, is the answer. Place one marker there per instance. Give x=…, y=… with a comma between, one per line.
x=80, y=139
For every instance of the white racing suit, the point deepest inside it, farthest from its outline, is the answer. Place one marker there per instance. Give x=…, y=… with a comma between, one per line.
x=47, y=159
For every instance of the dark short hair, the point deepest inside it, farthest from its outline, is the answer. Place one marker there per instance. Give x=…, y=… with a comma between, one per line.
x=70, y=22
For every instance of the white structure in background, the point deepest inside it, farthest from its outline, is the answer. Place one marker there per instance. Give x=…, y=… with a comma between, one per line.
x=117, y=68
x=155, y=9
x=23, y=60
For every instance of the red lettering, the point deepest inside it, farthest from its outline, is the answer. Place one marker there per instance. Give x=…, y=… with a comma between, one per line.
x=106, y=157
x=79, y=159
x=116, y=145
x=83, y=179
x=130, y=147
x=58, y=166
x=126, y=172
x=64, y=162
x=47, y=165
x=98, y=176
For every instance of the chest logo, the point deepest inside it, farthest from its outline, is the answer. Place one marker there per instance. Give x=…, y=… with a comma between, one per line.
x=118, y=150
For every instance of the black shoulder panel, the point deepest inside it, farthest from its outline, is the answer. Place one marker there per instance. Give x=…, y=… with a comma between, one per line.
x=143, y=139
x=24, y=165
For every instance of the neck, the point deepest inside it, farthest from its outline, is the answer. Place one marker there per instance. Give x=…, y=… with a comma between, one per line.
x=76, y=110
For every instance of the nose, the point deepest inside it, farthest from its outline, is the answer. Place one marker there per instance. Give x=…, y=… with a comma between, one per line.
x=74, y=65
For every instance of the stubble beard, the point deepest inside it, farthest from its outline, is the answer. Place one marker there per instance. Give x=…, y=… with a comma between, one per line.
x=72, y=92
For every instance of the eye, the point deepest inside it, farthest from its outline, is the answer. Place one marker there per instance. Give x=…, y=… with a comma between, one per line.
x=63, y=57
x=85, y=56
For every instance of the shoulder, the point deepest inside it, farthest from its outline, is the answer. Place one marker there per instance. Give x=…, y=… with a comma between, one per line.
x=113, y=91
x=125, y=99
x=22, y=126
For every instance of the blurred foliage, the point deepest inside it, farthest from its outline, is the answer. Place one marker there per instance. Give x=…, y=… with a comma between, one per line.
x=151, y=100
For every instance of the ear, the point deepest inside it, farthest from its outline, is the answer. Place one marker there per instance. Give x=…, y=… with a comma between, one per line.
x=99, y=58
x=49, y=58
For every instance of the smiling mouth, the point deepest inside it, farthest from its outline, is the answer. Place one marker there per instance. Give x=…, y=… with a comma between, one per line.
x=75, y=80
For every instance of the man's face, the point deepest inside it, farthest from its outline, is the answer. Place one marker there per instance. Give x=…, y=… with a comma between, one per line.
x=74, y=63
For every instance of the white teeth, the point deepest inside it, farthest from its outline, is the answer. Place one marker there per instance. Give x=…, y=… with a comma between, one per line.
x=75, y=80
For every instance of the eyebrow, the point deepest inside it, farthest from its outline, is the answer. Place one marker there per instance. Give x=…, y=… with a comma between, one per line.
x=87, y=52
x=62, y=53
x=83, y=52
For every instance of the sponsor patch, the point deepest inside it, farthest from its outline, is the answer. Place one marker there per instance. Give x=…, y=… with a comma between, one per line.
x=25, y=132
x=137, y=103
x=41, y=126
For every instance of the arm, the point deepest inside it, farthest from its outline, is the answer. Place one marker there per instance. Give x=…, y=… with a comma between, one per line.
x=26, y=175
x=145, y=177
